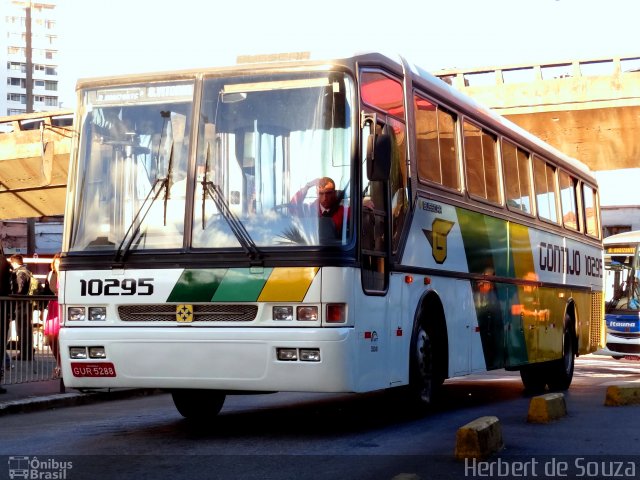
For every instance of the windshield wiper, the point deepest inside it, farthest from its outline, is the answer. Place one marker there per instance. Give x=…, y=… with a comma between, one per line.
x=245, y=240
x=160, y=185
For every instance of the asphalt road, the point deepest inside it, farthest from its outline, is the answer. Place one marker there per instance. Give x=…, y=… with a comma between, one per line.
x=317, y=436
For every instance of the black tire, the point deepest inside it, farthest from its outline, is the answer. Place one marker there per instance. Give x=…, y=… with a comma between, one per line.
x=561, y=371
x=533, y=378
x=425, y=369
x=198, y=404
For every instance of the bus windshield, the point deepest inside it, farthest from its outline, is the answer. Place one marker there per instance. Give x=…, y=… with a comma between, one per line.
x=245, y=174
x=622, y=282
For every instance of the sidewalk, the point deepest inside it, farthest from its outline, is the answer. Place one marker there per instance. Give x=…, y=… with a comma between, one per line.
x=47, y=394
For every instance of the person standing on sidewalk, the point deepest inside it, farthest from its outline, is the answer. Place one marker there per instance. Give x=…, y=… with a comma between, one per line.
x=5, y=289
x=52, y=323
x=20, y=285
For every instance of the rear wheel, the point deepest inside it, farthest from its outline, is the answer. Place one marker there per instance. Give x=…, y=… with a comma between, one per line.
x=533, y=378
x=561, y=371
x=198, y=404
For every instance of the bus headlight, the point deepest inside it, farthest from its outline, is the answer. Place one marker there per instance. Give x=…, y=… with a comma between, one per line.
x=97, y=313
x=97, y=352
x=76, y=314
x=307, y=313
x=282, y=313
x=78, y=353
x=287, y=354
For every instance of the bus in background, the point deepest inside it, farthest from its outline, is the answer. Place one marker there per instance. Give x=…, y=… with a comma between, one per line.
x=199, y=258
x=622, y=294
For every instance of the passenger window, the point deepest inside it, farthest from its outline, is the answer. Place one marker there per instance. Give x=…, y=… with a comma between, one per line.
x=545, y=186
x=516, y=164
x=437, y=158
x=481, y=163
x=568, y=187
x=590, y=211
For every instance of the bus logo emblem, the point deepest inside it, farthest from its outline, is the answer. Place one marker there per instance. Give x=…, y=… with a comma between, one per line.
x=184, y=313
x=437, y=237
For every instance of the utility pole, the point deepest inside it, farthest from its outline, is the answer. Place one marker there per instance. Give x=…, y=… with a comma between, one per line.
x=31, y=222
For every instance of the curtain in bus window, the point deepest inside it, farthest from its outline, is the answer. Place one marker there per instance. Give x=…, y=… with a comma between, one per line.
x=517, y=178
x=382, y=92
x=437, y=159
x=568, y=187
x=481, y=163
x=398, y=181
x=590, y=215
x=545, y=185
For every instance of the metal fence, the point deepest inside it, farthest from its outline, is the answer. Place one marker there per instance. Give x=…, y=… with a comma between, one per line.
x=28, y=356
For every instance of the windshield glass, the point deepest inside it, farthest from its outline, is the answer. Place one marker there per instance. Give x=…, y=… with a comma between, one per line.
x=277, y=151
x=133, y=151
x=622, y=279
x=273, y=165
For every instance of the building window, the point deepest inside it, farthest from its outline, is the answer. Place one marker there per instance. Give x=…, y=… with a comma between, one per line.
x=51, y=85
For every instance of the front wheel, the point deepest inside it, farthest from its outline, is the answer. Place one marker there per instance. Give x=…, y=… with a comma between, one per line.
x=425, y=369
x=198, y=404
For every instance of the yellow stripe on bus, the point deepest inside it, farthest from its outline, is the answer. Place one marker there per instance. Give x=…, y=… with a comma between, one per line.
x=288, y=284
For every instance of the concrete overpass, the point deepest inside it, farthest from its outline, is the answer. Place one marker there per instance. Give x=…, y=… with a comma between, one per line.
x=588, y=109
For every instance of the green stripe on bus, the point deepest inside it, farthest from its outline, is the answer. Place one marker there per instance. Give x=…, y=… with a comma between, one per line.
x=198, y=285
x=241, y=285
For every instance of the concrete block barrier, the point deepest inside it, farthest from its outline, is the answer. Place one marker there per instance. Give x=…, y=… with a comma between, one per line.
x=545, y=408
x=626, y=394
x=479, y=438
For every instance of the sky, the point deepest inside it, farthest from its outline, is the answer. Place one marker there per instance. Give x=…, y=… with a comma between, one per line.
x=104, y=37
x=108, y=37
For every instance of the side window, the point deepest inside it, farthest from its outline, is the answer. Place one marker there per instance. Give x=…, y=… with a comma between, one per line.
x=545, y=187
x=437, y=158
x=516, y=164
x=382, y=92
x=481, y=163
x=590, y=202
x=568, y=188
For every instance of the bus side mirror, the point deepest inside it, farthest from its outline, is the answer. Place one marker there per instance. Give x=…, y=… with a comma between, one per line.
x=378, y=157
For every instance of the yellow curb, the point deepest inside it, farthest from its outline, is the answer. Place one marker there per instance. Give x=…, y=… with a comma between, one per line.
x=544, y=408
x=618, y=395
x=479, y=438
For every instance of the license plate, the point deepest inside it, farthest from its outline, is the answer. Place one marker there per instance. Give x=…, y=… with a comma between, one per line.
x=105, y=369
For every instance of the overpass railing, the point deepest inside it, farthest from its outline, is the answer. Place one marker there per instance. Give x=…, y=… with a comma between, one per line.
x=527, y=73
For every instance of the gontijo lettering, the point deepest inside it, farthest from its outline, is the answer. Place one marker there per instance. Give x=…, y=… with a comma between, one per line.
x=559, y=259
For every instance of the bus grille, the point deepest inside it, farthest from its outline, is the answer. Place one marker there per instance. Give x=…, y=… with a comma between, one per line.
x=201, y=313
x=597, y=320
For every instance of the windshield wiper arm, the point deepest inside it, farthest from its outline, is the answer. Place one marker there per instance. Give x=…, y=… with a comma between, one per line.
x=133, y=230
x=245, y=240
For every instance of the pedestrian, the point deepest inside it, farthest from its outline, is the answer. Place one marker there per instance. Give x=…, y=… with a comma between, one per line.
x=20, y=285
x=52, y=323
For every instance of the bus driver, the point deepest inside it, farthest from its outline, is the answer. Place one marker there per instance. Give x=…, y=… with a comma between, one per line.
x=327, y=204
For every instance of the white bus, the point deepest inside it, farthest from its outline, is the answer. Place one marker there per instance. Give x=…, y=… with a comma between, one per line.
x=622, y=294
x=195, y=259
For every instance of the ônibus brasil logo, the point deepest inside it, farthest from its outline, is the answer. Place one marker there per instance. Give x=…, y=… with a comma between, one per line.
x=35, y=468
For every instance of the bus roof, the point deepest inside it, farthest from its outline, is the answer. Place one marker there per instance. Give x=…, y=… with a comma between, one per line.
x=437, y=87
x=625, y=237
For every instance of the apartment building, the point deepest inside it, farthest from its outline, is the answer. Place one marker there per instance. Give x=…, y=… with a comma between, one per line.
x=28, y=56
